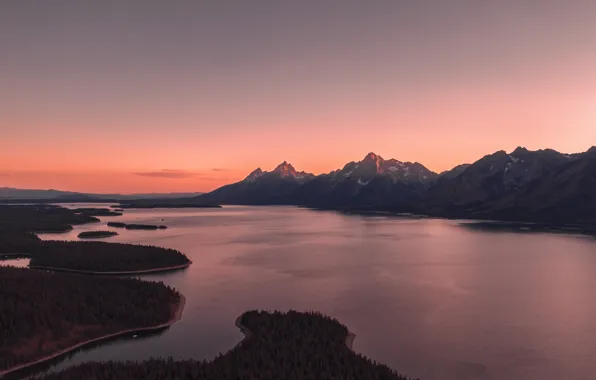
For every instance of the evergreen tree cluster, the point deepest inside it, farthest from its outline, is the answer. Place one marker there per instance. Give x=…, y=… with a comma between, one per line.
x=292, y=346
x=42, y=312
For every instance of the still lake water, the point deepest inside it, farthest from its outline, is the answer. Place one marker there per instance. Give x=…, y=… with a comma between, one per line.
x=428, y=297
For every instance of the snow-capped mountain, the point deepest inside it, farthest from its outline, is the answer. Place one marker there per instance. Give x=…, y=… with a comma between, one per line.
x=286, y=170
x=261, y=187
x=374, y=165
x=283, y=170
x=497, y=174
x=521, y=185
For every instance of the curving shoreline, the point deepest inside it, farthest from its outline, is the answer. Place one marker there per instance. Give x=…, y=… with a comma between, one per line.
x=175, y=318
x=245, y=330
x=114, y=273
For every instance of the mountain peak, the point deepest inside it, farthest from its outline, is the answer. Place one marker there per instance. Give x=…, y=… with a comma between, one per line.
x=285, y=169
x=520, y=150
x=371, y=157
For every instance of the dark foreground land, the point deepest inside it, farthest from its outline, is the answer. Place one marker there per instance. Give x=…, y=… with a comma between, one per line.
x=40, y=218
x=278, y=345
x=44, y=313
x=96, y=234
x=532, y=227
x=18, y=224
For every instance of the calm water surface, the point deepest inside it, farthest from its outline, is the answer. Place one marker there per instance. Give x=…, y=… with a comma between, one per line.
x=427, y=297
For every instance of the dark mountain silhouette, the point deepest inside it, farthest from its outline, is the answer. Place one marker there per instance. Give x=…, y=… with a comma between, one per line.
x=450, y=174
x=524, y=185
x=495, y=176
x=565, y=193
x=539, y=186
x=372, y=182
x=260, y=188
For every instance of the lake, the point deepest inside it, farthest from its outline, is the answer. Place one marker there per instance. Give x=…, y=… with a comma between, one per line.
x=428, y=297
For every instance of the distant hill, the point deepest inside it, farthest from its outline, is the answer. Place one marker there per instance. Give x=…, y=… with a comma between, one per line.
x=10, y=193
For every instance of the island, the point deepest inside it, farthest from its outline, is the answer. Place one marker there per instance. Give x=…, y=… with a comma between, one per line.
x=73, y=311
x=96, y=234
x=40, y=218
x=292, y=345
x=96, y=212
x=18, y=225
x=145, y=227
x=95, y=257
x=116, y=224
x=137, y=226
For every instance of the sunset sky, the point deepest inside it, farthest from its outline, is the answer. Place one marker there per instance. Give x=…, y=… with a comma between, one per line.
x=144, y=96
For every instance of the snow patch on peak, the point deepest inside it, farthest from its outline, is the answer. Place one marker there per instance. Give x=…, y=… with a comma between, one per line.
x=361, y=182
x=254, y=175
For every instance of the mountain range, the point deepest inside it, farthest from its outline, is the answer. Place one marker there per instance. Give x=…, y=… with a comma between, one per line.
x=523, y=185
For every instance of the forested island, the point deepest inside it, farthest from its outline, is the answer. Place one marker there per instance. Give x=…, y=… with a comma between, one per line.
x=95, y=257
x=19, y=223
x=145, y=227
x=137, y=226
x=40, y=218
x=117, y=224
x=278, y=345
x=96, y=211
x=96, y=234
x=45, y=313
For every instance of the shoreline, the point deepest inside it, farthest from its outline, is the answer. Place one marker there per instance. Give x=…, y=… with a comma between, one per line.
x=247, y=333
x=114, y=273
x=8, y=256
x=177, y=317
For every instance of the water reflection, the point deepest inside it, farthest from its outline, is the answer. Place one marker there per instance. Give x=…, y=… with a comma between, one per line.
x=20, y=262
x=427, y=297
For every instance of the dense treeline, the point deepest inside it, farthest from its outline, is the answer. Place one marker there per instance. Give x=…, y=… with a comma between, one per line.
x=18, y=223
x=18, y=242
x=104, y=257
x=116, y=224
x=279, y=346
x=96, y=234
x=145, y=227
x=42, y=313
x=40, y=218
x=532, y=227
x=90, y=211
x=137, y=226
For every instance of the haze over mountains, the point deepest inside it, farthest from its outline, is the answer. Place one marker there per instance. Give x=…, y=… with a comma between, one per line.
x=542, y=185
x=11, y=193
x=522, y=185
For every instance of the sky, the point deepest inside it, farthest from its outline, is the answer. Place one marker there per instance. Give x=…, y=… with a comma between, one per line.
x=144, y=96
